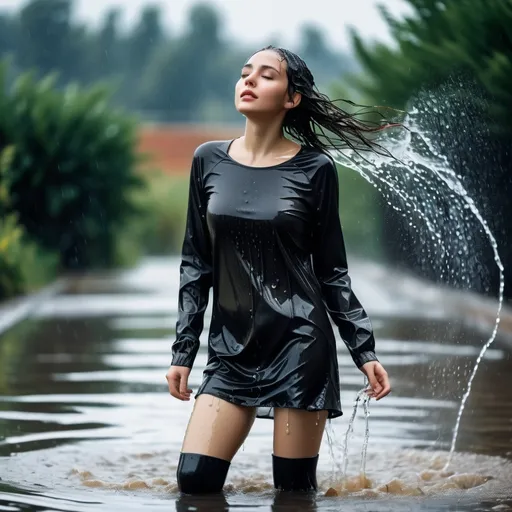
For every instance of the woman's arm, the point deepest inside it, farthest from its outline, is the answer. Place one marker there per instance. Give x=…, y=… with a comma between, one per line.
x=195, y=271
x=331, y=269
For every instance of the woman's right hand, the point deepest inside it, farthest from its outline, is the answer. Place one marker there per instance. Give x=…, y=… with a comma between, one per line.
x=177, y=379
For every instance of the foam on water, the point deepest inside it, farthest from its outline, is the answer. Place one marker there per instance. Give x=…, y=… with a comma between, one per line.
x=395, y=474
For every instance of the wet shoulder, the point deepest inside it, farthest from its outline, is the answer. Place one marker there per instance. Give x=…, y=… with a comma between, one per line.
x=210, y=149
x=314, y=161
x=208, y=154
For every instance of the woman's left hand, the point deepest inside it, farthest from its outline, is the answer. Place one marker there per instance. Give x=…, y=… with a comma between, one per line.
x=377, y=378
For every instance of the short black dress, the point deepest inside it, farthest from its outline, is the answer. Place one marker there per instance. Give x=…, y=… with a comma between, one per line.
x=268, y=242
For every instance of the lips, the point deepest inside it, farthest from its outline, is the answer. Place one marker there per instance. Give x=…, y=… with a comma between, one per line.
x=248, y=94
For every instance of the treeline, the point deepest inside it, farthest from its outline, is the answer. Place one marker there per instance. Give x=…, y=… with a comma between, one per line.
x=159, y=75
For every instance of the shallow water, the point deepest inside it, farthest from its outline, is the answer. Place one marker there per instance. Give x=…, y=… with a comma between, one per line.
x=86, y=421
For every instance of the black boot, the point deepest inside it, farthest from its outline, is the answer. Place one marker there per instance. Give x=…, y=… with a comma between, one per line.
x=295, y=474
x=201, y=474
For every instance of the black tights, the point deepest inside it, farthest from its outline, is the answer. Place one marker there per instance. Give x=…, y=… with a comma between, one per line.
x=202, y=474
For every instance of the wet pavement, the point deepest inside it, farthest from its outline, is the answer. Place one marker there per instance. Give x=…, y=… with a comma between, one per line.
x=86, y=421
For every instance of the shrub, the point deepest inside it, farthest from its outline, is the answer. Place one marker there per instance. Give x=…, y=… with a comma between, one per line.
x=23, y=265
x=73, y=168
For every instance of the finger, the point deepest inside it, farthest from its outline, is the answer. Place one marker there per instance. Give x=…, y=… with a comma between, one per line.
x=384, y=392
x=369, y=391
x=184, y=389
x=174, y=391
x=174, y=387
x=386, y=388
x=374, y=383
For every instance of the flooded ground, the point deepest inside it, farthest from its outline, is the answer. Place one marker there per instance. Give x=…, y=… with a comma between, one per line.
x=86, y=421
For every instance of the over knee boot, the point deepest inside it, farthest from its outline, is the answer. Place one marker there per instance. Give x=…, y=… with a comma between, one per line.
x=200, y=474
x=295, y=474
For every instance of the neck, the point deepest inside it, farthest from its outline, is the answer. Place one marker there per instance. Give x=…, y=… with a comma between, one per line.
x=261, y=137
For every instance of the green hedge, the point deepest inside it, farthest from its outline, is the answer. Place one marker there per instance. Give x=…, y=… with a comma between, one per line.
x=23, y=264
x=72, y=169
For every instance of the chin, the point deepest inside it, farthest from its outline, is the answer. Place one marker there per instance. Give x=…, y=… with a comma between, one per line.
x=249, y=110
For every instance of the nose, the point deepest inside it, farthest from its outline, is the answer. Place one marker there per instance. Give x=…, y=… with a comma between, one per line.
x=249, y=80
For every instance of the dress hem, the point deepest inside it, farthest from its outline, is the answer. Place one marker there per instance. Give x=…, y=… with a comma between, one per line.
x=332, y=413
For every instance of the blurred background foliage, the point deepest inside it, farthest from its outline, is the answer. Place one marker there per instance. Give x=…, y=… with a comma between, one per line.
x=160, y=76
x=461, y=50
x=73, y=195
x=71, y=164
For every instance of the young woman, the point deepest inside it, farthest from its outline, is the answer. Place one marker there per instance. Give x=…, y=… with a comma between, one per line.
x=263, y=231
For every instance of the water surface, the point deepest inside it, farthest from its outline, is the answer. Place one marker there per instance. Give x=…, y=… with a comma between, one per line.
x=86, y=421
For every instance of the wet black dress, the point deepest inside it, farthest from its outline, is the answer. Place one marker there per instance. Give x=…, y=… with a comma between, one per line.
x=268, y=242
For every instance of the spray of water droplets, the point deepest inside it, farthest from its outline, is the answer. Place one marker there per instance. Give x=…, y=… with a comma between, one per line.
x=443, y=220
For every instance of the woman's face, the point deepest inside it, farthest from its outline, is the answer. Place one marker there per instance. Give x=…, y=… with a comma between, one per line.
x=263, y=85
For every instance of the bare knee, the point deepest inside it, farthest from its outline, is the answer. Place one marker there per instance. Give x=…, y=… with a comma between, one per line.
x=217, y=428
x=298, y=433
x=215, y=432
x=201, y=474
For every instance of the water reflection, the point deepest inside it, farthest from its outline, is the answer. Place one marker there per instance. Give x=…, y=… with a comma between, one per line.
x=85, y=414
x=281, y=501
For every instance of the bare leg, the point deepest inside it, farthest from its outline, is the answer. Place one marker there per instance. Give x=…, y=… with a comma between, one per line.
x=215, y=432
x=298, y=433
x=217, y=427
x=297, y=438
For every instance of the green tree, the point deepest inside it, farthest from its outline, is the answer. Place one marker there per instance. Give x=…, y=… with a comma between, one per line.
x=7, y=34
x=458, y=54
x=72, y=171
x=44, y=36
x=326, y=64
x=441, y=39
x=147, y=35
x=181, y=77
x=108, y=50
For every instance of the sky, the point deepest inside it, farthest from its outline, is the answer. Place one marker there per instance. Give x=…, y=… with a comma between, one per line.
x=254, y=21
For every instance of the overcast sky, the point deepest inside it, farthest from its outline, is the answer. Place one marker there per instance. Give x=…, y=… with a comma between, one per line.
x=252, y=21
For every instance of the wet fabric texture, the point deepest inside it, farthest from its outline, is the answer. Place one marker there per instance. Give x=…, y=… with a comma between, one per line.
x=268, y=243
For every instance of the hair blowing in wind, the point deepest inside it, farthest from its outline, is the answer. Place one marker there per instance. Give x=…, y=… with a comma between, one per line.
x=318, y=122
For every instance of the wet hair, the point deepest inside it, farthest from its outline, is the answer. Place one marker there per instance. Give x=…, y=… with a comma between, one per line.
x=318, y=122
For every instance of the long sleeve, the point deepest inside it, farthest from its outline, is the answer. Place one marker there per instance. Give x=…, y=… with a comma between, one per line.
x=331, y=269
x=195, y=272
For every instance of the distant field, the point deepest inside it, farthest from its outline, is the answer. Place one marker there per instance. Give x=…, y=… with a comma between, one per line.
x=170, y=147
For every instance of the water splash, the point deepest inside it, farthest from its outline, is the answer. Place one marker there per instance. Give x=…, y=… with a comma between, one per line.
x=366, y=409
x=423, y=187
x=343, y=466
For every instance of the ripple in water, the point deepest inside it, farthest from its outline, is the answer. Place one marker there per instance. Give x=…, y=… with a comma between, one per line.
x=442, y=217
x=411, y=473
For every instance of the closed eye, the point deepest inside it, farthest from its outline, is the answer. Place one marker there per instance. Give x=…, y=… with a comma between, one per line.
x=245, y=75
